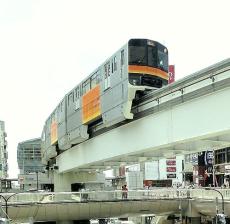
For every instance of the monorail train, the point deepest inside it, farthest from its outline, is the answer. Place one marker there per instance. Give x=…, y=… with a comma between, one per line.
x=106, y=95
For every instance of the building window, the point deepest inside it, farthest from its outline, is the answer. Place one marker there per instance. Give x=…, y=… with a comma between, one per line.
x=220, y=156
x=228, y=155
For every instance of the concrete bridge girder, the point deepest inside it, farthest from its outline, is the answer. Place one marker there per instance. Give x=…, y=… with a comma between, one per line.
x=189, y=127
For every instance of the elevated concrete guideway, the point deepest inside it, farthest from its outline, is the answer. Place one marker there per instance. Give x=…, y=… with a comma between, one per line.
x=190, y=115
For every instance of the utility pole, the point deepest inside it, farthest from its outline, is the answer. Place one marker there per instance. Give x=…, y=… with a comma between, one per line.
x=37, y=179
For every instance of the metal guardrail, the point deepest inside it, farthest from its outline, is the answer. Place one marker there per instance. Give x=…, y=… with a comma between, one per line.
x=87, y=196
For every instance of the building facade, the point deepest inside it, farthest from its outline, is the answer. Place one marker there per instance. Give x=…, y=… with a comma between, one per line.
x=3, y=152
x=222, y=166
x=29, y=156
x=33, y=175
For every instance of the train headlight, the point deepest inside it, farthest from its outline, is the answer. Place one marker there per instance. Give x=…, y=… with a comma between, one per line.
x=134, y=82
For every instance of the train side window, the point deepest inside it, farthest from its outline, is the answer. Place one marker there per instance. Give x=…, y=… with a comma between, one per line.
x=94, y=80
x=80, y=90
x=98, y=77
x=62, y=106
x=107, y=69
x=54, y=116
x=77, y=92
x=70, y=98
x=115, y=63
x=122, y=57
x=59, y=108
x=86, y=86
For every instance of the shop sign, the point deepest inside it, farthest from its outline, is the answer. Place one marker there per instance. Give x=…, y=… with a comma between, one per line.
x=171, y=162
x=171, y=74
x=171, y=169
x=171, y=175
x=208, y=158
x=195, y=159
x=209, y=169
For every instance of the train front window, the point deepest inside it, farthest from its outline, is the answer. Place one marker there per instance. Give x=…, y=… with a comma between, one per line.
x=162, y=60
x=152, y=61
x=137, y=55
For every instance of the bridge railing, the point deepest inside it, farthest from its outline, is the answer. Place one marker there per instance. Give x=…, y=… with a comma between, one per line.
x=158, y=193
x=209, y=194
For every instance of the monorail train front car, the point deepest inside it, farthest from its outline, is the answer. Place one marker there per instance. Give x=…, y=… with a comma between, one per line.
x=147, y=63
x=105, y=97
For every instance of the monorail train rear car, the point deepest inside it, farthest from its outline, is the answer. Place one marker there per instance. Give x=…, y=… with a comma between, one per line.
x=105, y=97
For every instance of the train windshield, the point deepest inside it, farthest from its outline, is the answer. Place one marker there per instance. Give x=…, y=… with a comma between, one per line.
x=162, y=56
x=148, y=53
x=137, y=55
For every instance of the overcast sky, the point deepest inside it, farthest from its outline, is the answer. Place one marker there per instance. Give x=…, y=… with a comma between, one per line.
x=47, y=47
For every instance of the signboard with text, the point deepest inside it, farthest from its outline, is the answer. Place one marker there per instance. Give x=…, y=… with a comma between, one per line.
x=171, y=169
x=171, y=74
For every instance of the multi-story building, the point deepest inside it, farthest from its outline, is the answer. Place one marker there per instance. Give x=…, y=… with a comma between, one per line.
x=165, y=172
x=222, y=166
x=33, y=175
x=3, y=152
x=29, y=156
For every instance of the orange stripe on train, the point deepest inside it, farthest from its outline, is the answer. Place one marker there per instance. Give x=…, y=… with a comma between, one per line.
x=91, y=107
x=53, y=132
x=148, y=70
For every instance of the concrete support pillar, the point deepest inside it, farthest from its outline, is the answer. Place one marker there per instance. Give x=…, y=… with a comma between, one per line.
x=115, y=172
x=195, y=220
x=63, y=181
